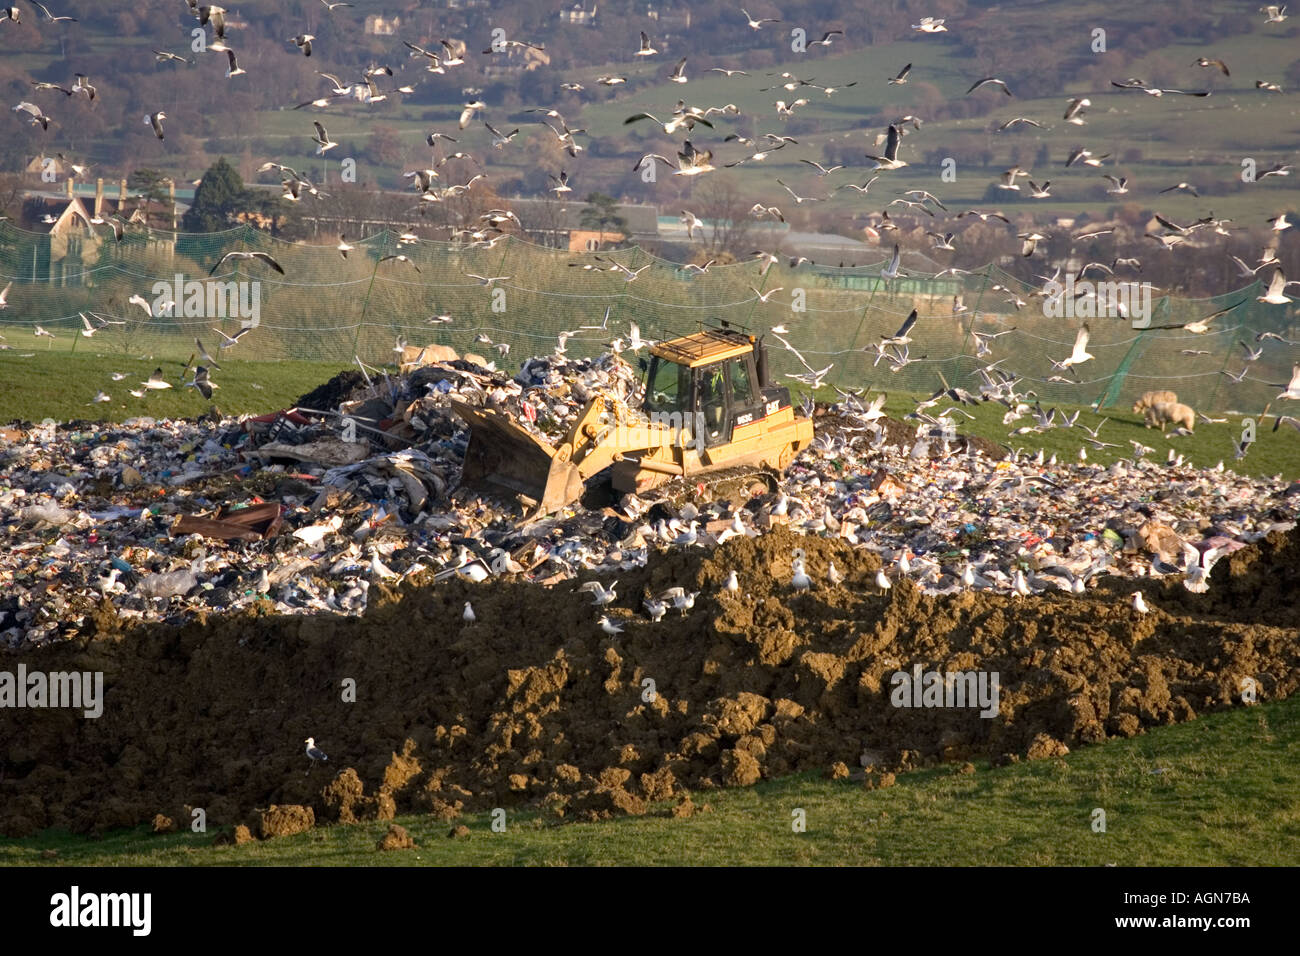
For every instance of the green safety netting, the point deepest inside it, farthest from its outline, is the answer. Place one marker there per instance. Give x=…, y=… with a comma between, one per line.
x=330, y=308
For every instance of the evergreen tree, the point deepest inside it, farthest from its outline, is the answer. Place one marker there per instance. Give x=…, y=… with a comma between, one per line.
x=601, y=215
x=220, y=197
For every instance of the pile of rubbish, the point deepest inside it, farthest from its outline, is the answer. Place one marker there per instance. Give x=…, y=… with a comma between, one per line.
x=308, y=507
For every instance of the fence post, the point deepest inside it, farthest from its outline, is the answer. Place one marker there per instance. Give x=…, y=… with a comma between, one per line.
x=853, y=342
x=365, y=305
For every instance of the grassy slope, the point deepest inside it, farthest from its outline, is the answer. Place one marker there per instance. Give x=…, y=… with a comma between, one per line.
x=58, y=385
x=1217, y=791
x=1197, y=140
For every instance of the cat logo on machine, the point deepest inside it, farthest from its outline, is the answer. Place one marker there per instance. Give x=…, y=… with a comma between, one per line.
x=772, y=407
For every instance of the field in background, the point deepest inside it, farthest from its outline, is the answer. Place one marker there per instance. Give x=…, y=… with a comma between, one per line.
x=1217, y=791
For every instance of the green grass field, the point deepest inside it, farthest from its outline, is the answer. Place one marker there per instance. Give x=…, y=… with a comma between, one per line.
x=1220, y=790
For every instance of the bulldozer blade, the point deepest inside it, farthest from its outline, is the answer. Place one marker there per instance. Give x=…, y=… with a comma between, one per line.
x=503, y=458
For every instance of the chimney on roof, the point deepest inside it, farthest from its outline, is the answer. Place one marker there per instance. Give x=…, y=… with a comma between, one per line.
x=67, y=185
x=121, y=194
x=171, y=193
x=99, y=197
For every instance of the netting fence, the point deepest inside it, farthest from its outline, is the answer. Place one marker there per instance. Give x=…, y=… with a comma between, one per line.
x=331, y=308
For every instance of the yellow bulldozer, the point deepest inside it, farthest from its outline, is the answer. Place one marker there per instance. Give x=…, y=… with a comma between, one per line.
x=708, y=406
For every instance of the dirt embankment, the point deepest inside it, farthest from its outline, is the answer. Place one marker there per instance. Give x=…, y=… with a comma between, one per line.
x=534, y=705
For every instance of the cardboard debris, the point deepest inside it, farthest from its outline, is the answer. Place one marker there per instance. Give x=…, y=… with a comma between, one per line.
x=252, y=523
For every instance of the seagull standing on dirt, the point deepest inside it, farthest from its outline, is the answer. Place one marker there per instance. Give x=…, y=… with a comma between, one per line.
x=1139, y=604
x=656, y=609
x=314, y=754
x=600, y=595
x=468, y=617
x=608, y=626
x=800, y=581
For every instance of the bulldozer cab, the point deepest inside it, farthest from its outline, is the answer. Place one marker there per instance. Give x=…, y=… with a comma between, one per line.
x=704, y=384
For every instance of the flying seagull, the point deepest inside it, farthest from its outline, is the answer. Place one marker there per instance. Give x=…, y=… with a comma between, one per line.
x=202, y=382
x=155, y=120
x=1080, y=353
x=797, y=198
x=756, y=24
x=1276, y=290
x=263, y=256
x=322, y=139
x=1016, y=122
x=1074, y=110
x=401, y=258
x=930, y=25
x=157, y=381
x=234, y=69
x=901, y=336
x=890, y=160
x=1135, y=84
x=37, y=117
x=51, y=17
x=986, y=81
x=901, y=78
x=1200, y=326
x=203, y=354
x=1205, y=61
x=230, y=341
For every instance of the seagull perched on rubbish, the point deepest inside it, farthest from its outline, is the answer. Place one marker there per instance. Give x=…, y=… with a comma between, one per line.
x=608, y=626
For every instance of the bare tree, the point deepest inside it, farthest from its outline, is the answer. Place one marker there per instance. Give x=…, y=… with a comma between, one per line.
x=720, y=204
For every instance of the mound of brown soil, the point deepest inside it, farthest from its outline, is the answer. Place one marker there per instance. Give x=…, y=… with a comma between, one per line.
x=396, y=839
x=533, y=705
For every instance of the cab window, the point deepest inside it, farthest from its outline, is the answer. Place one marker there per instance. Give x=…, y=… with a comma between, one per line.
x=668, y=385
x=741, y=393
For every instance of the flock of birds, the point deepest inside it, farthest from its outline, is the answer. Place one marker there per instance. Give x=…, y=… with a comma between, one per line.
x=693, y=160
